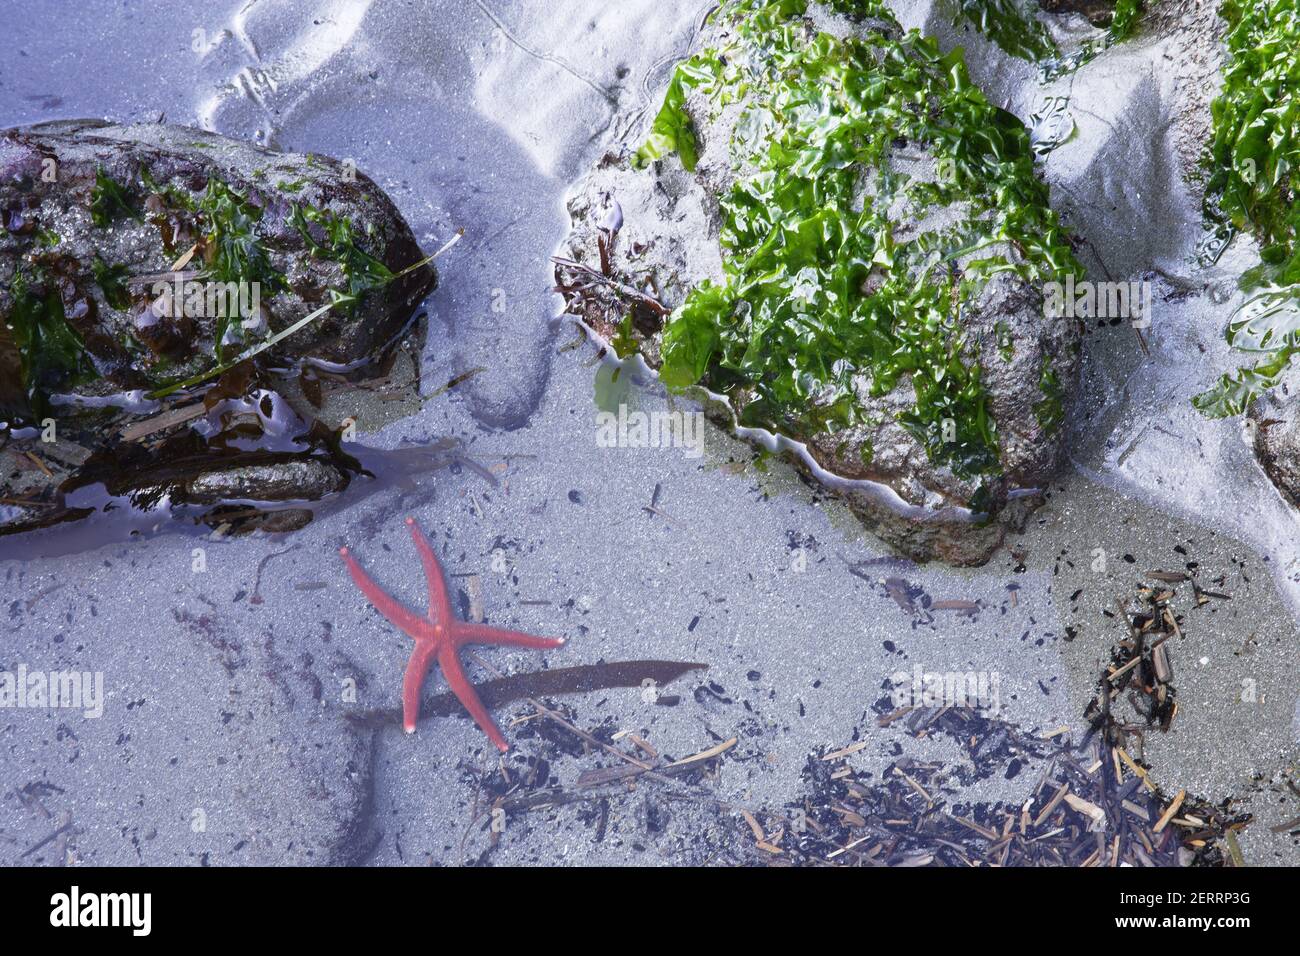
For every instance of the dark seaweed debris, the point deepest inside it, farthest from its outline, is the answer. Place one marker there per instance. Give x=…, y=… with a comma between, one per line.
x=1094, y=804
x=1141, y=664
x=1091, y=807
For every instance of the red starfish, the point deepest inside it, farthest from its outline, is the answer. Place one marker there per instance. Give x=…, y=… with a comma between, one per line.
x=439, y=635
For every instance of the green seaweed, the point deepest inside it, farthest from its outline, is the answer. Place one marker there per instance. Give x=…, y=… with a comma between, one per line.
x=1124, y=23
x=174, y=195
x=613, y=388
x=1256, y=140
x=364, y=273
x=1010, y=24
x=671, y=131
x=109, y=201
x=694, y=334
x=790, y=326
x=233, y=249
x=1006, y=342
x=112, y=283
x=1014, y=26
x=1232, y=393
x=51, y=353
x=624, y=340
x=1050, y=412
x=235, y=252
x=1252, y=158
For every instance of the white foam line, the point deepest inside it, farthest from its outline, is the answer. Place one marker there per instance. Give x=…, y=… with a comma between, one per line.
x=876, y=490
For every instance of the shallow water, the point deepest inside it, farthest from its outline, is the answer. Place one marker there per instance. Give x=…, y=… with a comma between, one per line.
x=477, y=116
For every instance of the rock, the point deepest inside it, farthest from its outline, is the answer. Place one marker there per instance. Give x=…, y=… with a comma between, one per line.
x=236, y=520
x=94, y=218
x=185, y=469
x=95, y=214
x=1097, y=11
x=644, y=242
x=302, y=479
x=1274, y=422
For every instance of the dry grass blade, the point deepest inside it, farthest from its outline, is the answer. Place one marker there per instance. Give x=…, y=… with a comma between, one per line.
x=1169, y=814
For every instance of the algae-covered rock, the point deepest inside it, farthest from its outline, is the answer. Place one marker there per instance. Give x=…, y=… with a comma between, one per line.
x=1251, y=188
x=832, y=228
x=1273, y=424
x=95, y=215
x=146, y=267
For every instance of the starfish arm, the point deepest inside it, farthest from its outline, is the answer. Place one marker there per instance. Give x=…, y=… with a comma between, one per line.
x=464, y=691
x=467, y=633
x=417, y=666
x=389, y=607
x=439, y=603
